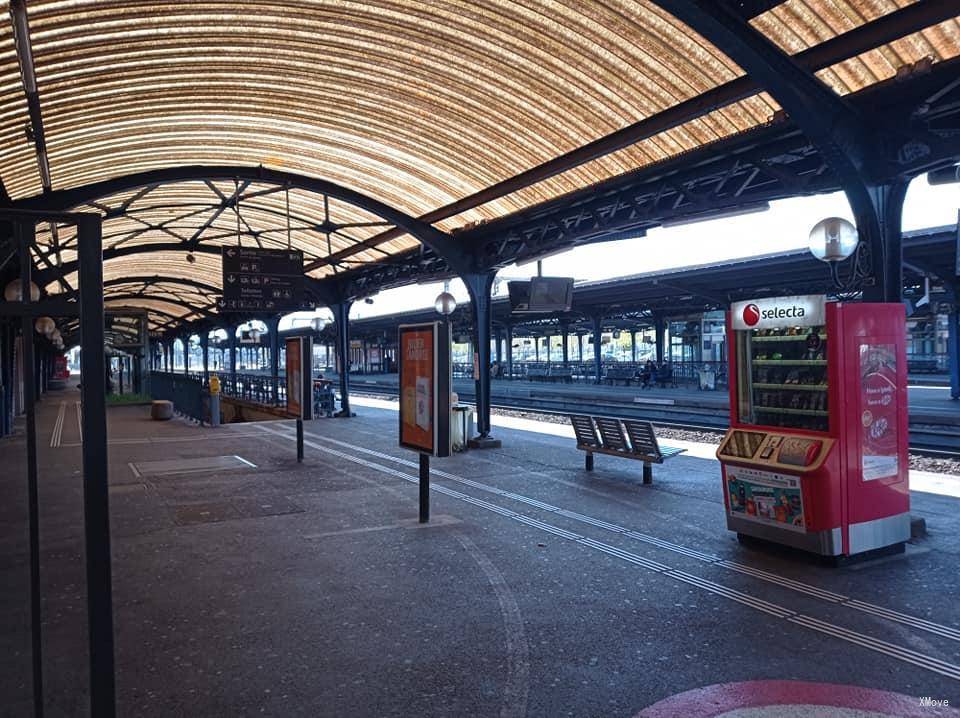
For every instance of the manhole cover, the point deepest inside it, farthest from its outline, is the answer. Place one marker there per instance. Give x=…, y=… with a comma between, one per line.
x=190, y=466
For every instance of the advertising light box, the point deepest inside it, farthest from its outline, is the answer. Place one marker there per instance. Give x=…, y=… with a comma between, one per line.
x=425, y=384
x=299, y=377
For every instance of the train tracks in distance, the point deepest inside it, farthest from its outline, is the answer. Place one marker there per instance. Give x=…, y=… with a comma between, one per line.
x=937, y=441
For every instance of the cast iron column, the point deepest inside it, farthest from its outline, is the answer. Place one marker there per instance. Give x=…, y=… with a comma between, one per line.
x=565, y=334
x=273, y=326
x=953, y=343
x=886, y=243
x=96, y=497
x=633, y=345
x=597, y=356
x=479, y=285
x=205, y=353
x=232, y=343
x=498, y=342
x=659, y=328
x=509, y=336
x=186, y=353
x=341, y=317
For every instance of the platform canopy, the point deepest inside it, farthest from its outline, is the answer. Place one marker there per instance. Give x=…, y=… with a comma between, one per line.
x=356, y=131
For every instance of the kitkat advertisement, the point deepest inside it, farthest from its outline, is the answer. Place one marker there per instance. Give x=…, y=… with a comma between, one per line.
x=416, y=389
x=878, y=411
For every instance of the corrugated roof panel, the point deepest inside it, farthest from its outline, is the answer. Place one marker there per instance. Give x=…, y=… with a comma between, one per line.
x=397, y=112
x=18, y=159
x=412, y=102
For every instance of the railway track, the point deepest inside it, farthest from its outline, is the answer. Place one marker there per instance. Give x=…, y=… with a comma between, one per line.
x=925, y=440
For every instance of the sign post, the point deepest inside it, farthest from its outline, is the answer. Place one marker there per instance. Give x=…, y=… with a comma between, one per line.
x=299, y=374
x=426, y=380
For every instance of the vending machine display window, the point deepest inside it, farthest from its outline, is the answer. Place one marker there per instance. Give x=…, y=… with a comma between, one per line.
x=784, y=380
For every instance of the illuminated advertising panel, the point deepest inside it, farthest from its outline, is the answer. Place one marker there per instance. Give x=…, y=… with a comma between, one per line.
x=425, y=381
x=299, y=377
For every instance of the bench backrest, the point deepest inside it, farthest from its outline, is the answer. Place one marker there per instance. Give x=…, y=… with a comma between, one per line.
x=584, y=429
x=611, y=432
x=536, y=371
x=642, y=437
x=561, y=371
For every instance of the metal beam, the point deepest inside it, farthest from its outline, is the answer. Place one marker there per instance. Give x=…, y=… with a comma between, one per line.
x=425, y=233
x=853, y=145
x=890, y=27
x=21, y=36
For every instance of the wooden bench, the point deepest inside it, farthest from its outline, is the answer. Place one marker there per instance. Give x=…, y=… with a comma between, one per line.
x=627, y=438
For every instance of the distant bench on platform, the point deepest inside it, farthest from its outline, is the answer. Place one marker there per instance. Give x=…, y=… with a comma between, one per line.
x=626, y=438
x=624, y=374
x=564, y=374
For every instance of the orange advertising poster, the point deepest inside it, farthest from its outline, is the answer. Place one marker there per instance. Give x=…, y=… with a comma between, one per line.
x=416, y=388
x=294, y=378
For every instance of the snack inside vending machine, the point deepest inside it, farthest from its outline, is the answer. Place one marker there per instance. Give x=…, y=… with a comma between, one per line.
x=816, y=454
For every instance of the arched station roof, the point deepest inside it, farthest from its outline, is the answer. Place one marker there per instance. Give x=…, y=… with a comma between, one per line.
x=425, y=108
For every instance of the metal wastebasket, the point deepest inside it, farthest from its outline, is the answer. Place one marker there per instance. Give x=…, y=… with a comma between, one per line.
x=461, y=425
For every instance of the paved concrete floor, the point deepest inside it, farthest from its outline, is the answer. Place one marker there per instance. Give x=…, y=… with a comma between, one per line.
x=537, y=589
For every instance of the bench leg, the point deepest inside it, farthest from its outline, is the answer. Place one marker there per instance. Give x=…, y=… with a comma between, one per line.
x=589, y=461
x=647, y=472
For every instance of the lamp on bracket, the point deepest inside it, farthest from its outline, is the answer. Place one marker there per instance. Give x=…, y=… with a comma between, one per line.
x=833, y=240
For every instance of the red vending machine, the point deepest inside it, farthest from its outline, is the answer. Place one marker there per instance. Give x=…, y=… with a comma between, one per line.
x=816, y=454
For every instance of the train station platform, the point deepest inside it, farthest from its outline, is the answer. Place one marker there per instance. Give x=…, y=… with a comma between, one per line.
x=246, y=583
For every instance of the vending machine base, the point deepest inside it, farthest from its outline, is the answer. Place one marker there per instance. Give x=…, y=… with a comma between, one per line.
x=777, y=547
x=826, y=543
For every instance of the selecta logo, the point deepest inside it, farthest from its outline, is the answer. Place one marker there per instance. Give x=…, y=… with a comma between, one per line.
x=799, y=311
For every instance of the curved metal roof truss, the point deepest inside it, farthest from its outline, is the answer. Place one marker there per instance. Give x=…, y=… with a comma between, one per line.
x=455, y=113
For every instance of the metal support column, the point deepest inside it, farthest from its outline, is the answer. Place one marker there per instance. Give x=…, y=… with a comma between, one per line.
x=536, y=349
x=509, y=338
x=882, y=235
x=273, y=326
x=186, y=353
x=953, y=350
x=232, y=342
x=25, y=238
x=659, y=327
x=498, y=343
x=633, y=346
x=479, y=285
x=6, y=378
x=95, y=496
x=580, y=347
x=597, y=356
x=341, y=316
x=205, y=354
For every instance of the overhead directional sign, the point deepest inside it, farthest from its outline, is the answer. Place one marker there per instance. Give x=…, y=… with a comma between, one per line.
x=261, y=280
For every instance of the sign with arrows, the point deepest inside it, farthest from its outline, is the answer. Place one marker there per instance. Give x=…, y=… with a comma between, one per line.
x=262, y=280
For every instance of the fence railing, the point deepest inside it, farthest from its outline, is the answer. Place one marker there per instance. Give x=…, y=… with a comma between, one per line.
x=585, y=371
x=187, y=393
x=255, y=388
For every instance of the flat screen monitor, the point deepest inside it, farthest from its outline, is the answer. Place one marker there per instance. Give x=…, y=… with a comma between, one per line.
x=519, y=295
x=541, y=295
